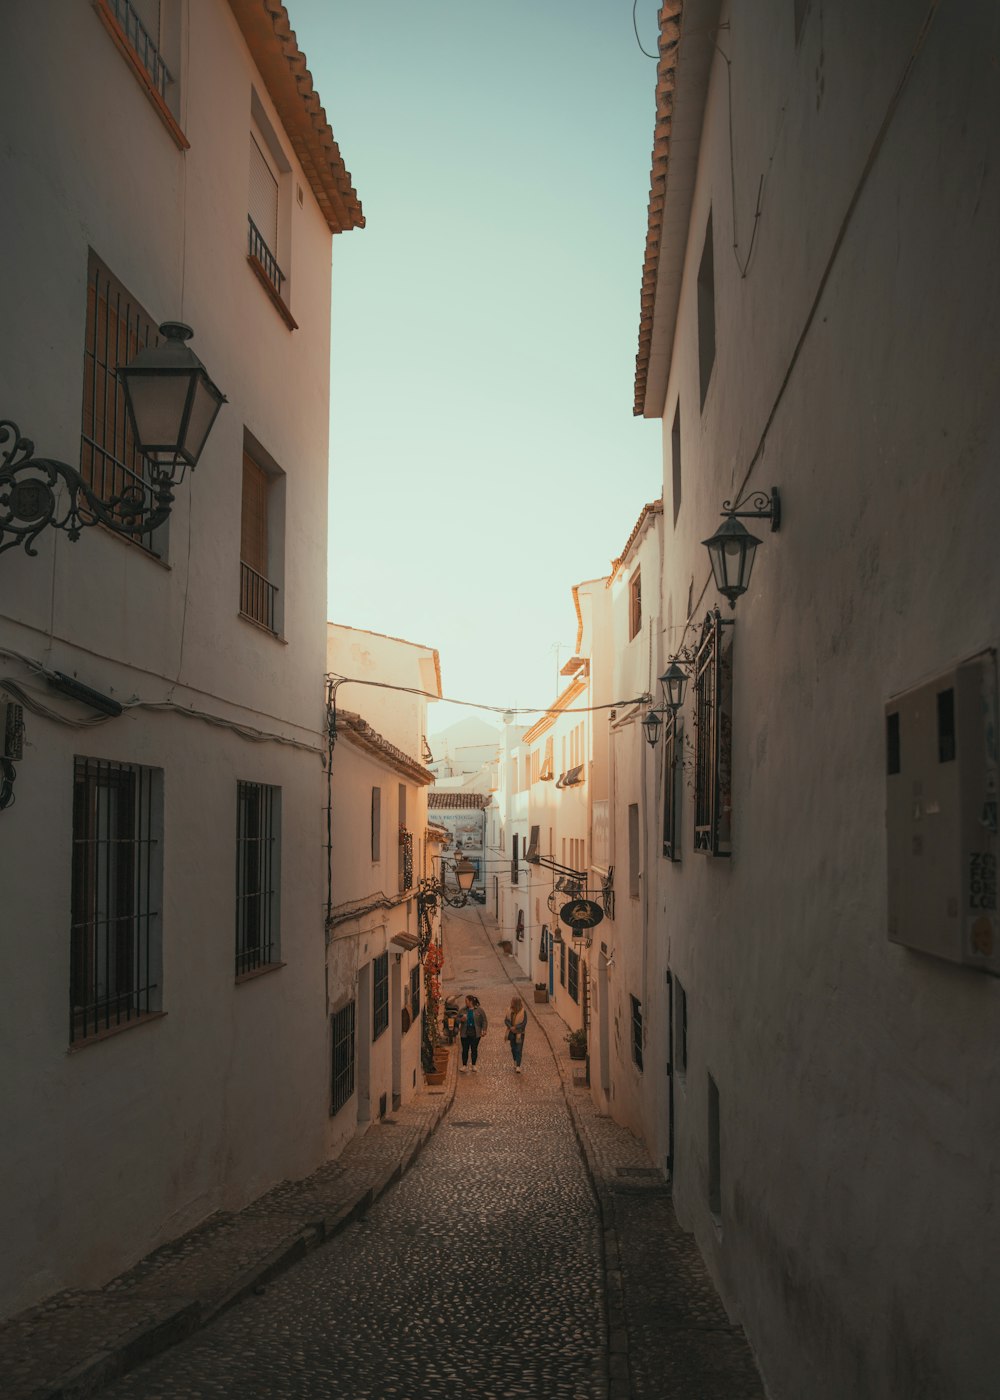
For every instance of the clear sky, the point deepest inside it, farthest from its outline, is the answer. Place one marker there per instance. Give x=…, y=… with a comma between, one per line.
x=484, y=456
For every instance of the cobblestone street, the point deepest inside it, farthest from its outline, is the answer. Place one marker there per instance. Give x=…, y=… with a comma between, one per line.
x=483, y=1263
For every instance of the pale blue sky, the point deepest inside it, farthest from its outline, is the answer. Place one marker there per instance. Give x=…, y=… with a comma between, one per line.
x=483, y=450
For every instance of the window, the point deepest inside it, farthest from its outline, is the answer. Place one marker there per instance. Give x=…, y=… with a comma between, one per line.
x=342, y=1024
x=376, y=824
x=117, y=329
x=269, y=210
x=634, y=605
x=261, y=542
x=714, y=738
x=672, y=749
x=513, y=859
x=675, y=459
x=531, y=853
x=115, y=944
x=562, y=962
x=380, y=995
x=574, y=975
x=148, y=34
x=258, y=820
x=414, y=993
x=680, y=1027
x=634, y=861
x=706, y=313
x=714, y=1152
x=636, y=1032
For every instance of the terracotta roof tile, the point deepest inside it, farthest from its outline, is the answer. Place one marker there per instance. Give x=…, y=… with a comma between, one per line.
x=650, y=508
x=666, y=70
x=282, y=64
x=444, y=801
x=360, y=733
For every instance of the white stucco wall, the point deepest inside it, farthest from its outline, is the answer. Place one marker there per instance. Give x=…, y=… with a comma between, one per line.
x=857, y=1124
x=224, y=1095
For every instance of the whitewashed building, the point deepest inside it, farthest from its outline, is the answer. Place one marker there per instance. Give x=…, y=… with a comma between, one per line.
x=165, y=1051
x=380, y=848
x=820, y=299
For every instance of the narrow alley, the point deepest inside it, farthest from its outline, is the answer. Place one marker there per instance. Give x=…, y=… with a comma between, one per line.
x=485, y=1265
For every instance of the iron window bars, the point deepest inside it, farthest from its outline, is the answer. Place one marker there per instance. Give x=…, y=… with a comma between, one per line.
x=257, y=827
x=342, y=1035
x=258, y=596
x=414, y=994
x=110, y=463
x=115, y=895
x=405, y=861
x=145, y=47
x=562, y=963
x=261, y=253
x=714, y=737
x=380, y=994
x=636, y=1032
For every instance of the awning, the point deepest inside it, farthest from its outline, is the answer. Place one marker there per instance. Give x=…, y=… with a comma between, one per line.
x=573, y=777
x=405, y=940
x=532, y=852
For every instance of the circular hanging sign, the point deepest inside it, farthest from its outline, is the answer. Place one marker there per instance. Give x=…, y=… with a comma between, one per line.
x=581, y=913
x=552, y=903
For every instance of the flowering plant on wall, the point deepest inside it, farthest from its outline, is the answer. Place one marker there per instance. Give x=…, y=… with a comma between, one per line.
x=431, y=1014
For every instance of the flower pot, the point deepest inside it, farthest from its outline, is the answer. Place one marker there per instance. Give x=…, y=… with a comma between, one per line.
x=507, y=946
x=577, y=1052
x=541, y=994
x=434, y=1076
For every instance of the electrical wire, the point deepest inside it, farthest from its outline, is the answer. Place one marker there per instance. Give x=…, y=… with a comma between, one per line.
x=635, y=26
x=339, y=680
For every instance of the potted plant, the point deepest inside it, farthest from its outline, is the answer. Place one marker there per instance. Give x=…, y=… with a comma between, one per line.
x=507, y=945
x=541, y=992
x=577, y=1041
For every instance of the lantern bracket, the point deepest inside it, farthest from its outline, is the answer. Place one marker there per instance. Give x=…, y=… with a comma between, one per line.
x=763, y=506
x=31, y=498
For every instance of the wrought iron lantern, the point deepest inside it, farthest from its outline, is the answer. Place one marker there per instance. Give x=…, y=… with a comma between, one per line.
x=673, y=683
x=652, y=725
x=171, y=404
x=732, y=548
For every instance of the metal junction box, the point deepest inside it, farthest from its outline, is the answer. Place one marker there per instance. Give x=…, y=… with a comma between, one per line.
x=941, y=815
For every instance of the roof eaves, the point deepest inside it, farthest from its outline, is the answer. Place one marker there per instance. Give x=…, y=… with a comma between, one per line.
x=360, y=733
x=651, y=508
x=282, y=65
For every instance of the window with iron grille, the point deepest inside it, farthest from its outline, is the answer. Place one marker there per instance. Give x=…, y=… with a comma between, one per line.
x=634, y=852
x=262, y=216
x=261, y=541
x=513, y=860
x=139, y=21
x=714, y=737
x=562, y=964
x=115, y=938
x=574, y=975
x=636, y=1032
x=342, y=1035
x=117, y=328
x=671, y=779
x=380, y=994
x=258, y=822
x=414, y=994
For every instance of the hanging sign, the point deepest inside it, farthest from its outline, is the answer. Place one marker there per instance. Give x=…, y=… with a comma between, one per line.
x=581, y=914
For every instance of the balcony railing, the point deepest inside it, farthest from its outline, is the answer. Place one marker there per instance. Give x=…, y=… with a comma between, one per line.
x=143, y=44
x=263, y=255
x=257, y=597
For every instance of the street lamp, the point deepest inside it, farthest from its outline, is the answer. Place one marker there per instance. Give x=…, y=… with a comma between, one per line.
x=673, y=685
x=171, y=404
x=732, y=548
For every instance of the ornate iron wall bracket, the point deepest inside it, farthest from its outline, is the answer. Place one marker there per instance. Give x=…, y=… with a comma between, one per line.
x=36, y=492
x=763, y=505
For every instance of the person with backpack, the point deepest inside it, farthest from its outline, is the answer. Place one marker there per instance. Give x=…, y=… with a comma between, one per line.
x=472, y=1025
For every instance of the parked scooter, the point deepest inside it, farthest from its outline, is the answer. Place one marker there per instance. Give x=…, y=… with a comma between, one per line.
x=451, y=1018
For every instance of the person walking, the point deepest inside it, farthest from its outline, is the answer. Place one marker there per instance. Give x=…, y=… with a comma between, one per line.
x=516, y=1022
x=472, y=1025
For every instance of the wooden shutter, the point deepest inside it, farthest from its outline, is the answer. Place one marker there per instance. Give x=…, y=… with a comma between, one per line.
x=253, y=529
x=263, y=197
x=376, y=824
